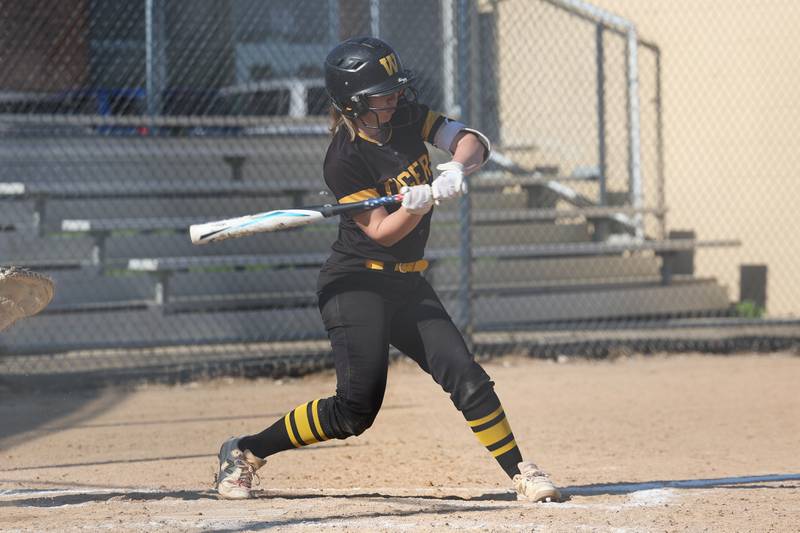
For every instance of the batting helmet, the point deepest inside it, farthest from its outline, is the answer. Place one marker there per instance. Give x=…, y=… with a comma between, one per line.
x=362, y=67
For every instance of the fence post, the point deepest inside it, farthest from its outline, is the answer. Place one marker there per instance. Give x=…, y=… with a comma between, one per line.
x=601, y=226
x=449, y=41
x=375, y=18
x=634, y=129
x=465, y=35
x=154, y=56
x=661, y=201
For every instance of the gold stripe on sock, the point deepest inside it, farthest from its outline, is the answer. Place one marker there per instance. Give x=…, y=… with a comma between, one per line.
x=290, y=432
x=317, y=423
x=293, y=422
x=490, y=423
x=496, y=433
x=303, y=425
x=501, y=443
x=508, y=447
x=486, y=418
x=310, y=415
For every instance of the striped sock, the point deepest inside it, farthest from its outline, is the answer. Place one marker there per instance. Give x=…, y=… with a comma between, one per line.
x=299, y=427
x=303, y=425
x=494, y=432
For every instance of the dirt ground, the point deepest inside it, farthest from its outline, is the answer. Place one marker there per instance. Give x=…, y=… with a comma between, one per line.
x=657, y=443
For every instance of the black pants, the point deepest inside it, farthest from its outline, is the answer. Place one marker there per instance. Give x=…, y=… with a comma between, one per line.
x=364, y=314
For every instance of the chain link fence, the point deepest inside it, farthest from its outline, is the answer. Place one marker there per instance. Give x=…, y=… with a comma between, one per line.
x=123, y=122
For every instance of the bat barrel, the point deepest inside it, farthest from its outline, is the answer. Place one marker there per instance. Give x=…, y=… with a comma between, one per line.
x=279, y=220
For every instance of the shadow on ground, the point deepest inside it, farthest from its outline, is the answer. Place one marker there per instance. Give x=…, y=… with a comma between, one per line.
x=60, y=496
x=24, y=413
x=83, y=464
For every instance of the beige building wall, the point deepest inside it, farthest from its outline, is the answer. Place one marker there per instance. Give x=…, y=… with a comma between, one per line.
x=731, y=108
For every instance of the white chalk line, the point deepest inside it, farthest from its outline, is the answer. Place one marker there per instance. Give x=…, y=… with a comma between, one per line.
x=51, y=493
x=248, y=514
x=445, y=499
x=590, y=490
x=432, y=502
x=626, y=488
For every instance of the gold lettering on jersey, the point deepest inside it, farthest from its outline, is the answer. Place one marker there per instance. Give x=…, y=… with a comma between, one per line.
x=425, y=163
x=404, y=179
x=417, y=173
x=389, y=63
x=412, y=169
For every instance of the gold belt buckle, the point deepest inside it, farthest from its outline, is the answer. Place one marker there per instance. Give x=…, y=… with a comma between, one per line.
x=413, y=266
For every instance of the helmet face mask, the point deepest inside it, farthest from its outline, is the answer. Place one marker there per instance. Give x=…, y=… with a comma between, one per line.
x=402, y=110
x=363, y=67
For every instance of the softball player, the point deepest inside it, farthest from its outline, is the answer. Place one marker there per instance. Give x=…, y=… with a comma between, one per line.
x=371, y=290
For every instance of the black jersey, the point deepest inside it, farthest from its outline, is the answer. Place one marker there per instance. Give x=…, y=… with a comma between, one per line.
x=361, y=169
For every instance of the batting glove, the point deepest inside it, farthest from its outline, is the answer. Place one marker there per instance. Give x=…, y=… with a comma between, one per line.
x=417, y=199
x=450, y=183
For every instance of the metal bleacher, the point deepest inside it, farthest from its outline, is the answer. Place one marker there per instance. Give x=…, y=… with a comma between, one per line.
x=128, y=276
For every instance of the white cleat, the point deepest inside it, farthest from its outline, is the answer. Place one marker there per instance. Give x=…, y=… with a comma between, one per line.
x=533, y=484
x=236, y=471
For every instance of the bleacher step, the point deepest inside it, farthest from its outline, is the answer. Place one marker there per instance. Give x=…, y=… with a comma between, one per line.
x=27, y=250
x=107, y=329
x=123, y=329
x=496, y=312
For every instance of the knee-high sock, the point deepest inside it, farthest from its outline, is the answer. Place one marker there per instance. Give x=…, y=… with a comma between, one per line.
x=299, y=427
x=491, y=427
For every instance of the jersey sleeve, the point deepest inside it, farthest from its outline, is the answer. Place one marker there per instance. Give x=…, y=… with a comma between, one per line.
x=348, y=180
x=440, y=131
x=430, y=123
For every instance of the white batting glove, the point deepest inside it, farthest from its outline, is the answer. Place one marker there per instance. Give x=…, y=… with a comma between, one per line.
x=450, y=183
x=418, y=199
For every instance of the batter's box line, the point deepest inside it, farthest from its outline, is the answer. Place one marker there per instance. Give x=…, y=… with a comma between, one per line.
x=467, y=494
x=629, y=487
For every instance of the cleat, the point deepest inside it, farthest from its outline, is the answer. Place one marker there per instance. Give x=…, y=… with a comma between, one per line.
x=234, y=480
x=533, y=484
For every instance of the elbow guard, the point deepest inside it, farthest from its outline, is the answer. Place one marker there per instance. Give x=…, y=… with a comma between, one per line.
x=447, y=133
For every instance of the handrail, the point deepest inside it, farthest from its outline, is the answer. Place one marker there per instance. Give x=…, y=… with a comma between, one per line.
x=608, y=19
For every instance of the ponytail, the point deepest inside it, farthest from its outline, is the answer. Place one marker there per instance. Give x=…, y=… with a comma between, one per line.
x=339, y=121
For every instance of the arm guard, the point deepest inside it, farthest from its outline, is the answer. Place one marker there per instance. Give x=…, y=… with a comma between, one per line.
x=450, y=129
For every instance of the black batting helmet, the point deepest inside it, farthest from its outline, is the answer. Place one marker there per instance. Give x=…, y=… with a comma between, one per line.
x=361, y=67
